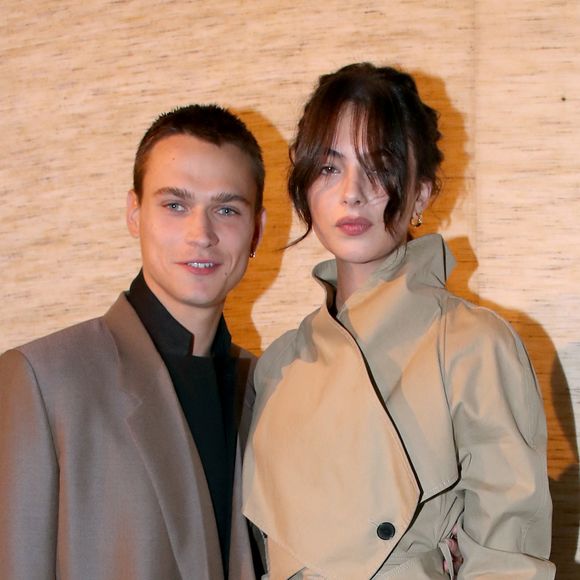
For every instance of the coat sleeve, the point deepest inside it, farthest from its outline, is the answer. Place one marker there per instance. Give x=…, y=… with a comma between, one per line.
x=28, y=476
x=500, y=435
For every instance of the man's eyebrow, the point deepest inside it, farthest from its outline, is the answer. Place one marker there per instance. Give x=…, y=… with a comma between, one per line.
x=186, y=195
x=228, y=197
x=178, y=192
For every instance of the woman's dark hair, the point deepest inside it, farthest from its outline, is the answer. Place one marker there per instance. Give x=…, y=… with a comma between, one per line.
x=398, y=130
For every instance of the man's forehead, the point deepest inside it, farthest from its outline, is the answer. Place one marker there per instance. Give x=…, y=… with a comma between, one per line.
x=227, y=163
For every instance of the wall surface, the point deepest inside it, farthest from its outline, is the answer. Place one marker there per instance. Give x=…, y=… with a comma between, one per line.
x=81, y=81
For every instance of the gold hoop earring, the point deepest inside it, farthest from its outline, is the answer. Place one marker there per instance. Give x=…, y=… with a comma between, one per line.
x=417, y=220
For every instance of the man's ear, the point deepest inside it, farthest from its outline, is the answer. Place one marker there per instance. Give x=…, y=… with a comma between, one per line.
x=422, y=201
x=259, y=227
x=133, y=213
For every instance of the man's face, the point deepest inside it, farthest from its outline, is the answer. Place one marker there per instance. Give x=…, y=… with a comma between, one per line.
x=196, y=223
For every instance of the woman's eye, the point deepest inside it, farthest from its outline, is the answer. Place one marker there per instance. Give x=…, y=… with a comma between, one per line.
x=328, y=170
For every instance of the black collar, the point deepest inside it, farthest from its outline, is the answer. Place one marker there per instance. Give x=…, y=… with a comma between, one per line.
x=168, y=335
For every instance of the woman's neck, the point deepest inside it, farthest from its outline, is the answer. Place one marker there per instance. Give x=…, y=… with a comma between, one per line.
x=349, y=278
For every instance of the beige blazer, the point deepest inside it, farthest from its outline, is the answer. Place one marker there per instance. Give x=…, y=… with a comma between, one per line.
x=99, y=475
x=375, y=434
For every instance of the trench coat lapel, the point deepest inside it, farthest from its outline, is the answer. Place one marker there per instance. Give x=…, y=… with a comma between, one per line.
x=397, y=326
x=326, y=365
x=166, y=447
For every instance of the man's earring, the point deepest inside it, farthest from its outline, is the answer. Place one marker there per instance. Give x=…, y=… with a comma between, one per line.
x=417, y=220
x=253, y=254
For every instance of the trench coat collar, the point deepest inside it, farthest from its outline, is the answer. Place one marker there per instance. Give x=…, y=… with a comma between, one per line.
x=396, y=346
x=426, y=260
x=166, y=447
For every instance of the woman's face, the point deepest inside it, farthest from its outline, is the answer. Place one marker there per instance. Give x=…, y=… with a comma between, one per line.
x=347, y=209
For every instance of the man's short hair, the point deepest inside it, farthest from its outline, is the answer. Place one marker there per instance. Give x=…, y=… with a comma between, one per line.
x=206, y=122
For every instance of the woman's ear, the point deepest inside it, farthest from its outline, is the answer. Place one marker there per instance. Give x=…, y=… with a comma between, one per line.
x=422, y=201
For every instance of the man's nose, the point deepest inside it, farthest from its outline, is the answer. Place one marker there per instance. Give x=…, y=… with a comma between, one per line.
x=200, y=229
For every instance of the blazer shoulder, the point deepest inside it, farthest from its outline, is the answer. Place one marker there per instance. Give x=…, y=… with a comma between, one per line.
x=245, y=366
x=93, y=332
x=82, y=354
x=68, y=342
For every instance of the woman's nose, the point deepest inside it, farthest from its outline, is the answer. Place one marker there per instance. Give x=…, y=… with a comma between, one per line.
x=355, y=186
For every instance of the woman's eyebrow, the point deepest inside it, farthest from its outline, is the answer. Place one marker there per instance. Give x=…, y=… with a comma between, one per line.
x=333, y=153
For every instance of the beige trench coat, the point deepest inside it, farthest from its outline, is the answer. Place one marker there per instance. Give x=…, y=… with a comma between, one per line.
x=373, y=438
x=100, y=478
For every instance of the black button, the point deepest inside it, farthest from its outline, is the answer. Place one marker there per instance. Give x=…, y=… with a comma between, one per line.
x=385, y=531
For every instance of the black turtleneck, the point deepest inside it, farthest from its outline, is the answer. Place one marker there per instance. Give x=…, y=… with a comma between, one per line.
x=205, y=387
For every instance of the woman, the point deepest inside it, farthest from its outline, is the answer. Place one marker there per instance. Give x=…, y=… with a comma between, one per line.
x=397, y=417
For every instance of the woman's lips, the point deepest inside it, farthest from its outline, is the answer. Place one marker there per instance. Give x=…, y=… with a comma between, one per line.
x=353, y=226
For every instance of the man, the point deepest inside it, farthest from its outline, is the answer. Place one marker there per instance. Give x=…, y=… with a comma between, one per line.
x=119, y=455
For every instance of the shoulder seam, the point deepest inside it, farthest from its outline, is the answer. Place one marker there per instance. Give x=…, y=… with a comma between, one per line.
x=32, y=371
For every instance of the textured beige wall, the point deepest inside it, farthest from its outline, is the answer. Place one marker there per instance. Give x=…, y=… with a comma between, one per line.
x=81, y=81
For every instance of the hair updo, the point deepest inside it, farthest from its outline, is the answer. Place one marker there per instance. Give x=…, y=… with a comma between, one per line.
x=398, y=131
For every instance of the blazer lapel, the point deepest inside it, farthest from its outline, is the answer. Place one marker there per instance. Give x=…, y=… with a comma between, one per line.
x=240, y=558
x=241, y=566
x=165, y=445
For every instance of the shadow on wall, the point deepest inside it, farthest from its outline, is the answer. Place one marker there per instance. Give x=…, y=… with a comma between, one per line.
x=263, y=270
x=454, y=142
x=565, y=487
x=562, y=437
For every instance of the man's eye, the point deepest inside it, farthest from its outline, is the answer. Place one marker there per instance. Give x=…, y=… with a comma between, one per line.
x=328, y=170
x=175, y=206
x=228, y=211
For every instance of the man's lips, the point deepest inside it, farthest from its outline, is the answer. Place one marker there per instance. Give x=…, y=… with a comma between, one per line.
x=353, y=226
x=201, y=267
